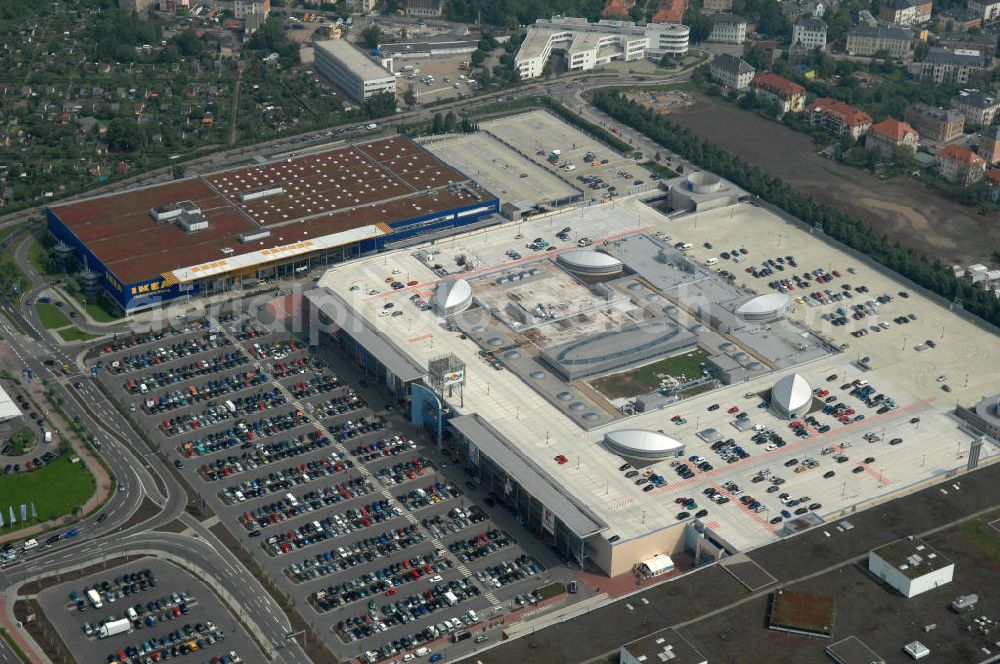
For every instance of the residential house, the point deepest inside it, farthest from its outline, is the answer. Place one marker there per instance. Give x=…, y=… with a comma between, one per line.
x=788, y=95
x=906, y=12
x=732, y=72
x=715, y=6
x=977, y=108
x=434, y=8
x=989, y=145
x=887, y=138
x=935, y=124
x=988, y=10
x=944, y=65
x=670, y=11
x=867, y=40
x=960, y=165
x=728, y=29
x=809, y=33
x=838, y=118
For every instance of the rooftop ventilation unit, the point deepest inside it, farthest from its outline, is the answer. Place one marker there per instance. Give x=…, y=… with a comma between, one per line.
x=254, y=236
x=192, y=222
x=172, y=211
x=261, y=192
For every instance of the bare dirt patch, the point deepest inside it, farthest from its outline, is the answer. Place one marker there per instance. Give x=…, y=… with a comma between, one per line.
x=916, y=215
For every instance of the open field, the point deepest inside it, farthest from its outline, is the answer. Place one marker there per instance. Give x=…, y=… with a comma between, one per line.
x=916, y=215
x=646, y=379
x=51, y=316
x=75, y=483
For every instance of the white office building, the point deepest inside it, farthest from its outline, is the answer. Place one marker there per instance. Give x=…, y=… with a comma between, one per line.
x=351, y=70
x=810, y=33
x=728, y=29
x=592, y=45
x=910, y=566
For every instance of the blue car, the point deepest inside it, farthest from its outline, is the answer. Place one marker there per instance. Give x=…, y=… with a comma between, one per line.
x=858, y=418
x=786, y=514
x=436, y=657
x=72, y=533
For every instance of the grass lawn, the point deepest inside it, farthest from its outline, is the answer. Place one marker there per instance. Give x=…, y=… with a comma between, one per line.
x=52, y=316
x=10, y=230
x=76, y=334
x=646, y=379
x=100, y=310
x=75, y=485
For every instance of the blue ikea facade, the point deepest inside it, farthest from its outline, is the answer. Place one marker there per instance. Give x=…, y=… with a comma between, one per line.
x=155, y=290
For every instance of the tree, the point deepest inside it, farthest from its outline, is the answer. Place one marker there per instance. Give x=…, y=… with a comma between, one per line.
x=410, y=96
x=700, y=25
x=380, y=105
x=437, y=125
x=450, y=121
x=125, y=135
x=371, y=35
x=188, y=44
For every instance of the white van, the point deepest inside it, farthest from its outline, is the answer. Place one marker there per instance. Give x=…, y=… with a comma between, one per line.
x=132, y=615
x=423, y=650
x=711, y=261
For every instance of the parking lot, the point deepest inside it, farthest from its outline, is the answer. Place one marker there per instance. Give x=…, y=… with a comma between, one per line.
x=512, y=177
x=538, y=134
x=144, y=612
x=381, y=541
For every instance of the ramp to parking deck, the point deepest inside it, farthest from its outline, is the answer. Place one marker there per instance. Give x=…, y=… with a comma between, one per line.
x=748, y=572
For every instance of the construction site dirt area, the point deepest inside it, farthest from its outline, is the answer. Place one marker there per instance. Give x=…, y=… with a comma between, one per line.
x=915, y=215
x=663, y=102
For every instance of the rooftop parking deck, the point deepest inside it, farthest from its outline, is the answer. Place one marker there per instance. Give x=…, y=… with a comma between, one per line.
x=932, y=442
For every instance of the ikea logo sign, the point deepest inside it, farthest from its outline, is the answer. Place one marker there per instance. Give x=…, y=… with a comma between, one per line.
x=151, y=288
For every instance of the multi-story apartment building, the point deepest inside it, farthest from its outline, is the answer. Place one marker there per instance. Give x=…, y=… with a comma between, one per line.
x=592, y=45
x=788, y=95
x=944, y=65
x=244, y=8
x=906, y=12
x=728, y=29
x=838, y=118
x=732, y=72
x=977, y=108
x=868, y=40
x=989, y=144
x=960, y=165
x=135, y=5
x=432, y=8
x=809, y=32
x=935, y=124
x=888, y=137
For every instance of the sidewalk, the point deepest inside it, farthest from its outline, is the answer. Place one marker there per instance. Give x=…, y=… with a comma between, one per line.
x=9, y=623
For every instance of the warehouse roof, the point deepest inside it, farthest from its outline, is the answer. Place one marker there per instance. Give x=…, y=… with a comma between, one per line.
x=276, y=205
x=913, y=558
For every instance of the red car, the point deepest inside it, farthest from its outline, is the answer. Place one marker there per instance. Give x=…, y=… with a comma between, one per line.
x=734, y=409
x=561, y=459
x=413, y=282
x=795, y=425
x=675, y=418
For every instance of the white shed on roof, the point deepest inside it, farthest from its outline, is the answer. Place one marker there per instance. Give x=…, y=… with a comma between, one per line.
x=661, y=563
